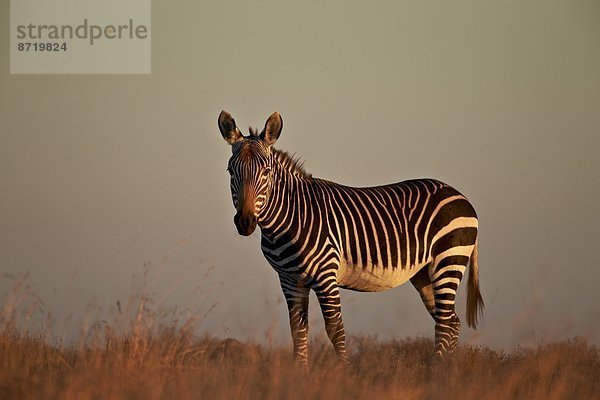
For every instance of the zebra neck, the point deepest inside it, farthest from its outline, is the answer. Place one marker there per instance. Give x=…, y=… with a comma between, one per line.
x=289, y=200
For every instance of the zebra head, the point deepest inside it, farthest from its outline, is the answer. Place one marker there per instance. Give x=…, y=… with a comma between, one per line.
x=250, y=167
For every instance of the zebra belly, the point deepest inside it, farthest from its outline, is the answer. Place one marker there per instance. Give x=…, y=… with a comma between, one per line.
x=373, y=278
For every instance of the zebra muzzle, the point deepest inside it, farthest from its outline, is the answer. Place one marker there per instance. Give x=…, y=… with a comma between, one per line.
x=245, y=223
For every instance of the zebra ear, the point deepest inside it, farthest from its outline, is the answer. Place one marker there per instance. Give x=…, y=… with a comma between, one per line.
x=272, y=129
x=228, y=128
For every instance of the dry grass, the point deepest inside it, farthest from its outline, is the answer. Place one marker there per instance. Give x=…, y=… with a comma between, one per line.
x=146, y=359
x=175, y=365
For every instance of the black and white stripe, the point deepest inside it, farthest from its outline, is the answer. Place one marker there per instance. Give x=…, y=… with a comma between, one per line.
x=324, y=236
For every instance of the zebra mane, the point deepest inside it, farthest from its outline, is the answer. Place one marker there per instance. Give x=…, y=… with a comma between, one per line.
x=291, y=163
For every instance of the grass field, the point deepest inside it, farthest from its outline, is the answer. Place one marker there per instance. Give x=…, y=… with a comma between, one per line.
x=173, y=364
x=137, y=355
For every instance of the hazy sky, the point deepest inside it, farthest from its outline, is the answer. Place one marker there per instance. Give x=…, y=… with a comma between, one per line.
x=101, y=174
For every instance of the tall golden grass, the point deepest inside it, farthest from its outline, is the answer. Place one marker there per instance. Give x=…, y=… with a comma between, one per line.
x=151, y=359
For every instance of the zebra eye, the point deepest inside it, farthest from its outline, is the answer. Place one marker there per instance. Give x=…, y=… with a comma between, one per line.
x=267, y=171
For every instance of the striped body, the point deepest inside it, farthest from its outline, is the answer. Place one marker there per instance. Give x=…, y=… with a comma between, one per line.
x=381, y=236
x=322, y=236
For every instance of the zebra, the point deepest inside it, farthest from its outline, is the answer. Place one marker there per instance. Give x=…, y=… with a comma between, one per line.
x=323, y=236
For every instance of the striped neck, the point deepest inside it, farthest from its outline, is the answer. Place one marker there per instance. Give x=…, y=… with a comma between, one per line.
x=288, y=177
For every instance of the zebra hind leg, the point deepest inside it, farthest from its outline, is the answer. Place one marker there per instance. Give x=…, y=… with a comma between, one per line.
x=422, y=283
x=445, y=274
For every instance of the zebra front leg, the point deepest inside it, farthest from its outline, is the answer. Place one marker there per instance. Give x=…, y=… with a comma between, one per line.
x=297, y=301
x=329, y=300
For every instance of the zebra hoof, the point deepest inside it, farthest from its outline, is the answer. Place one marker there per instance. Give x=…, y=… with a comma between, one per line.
x=342, y=364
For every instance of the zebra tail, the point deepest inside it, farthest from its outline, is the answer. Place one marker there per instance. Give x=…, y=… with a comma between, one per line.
x=475, y=303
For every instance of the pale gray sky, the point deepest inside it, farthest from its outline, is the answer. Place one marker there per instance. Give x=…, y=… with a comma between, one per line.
x=100, y=174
